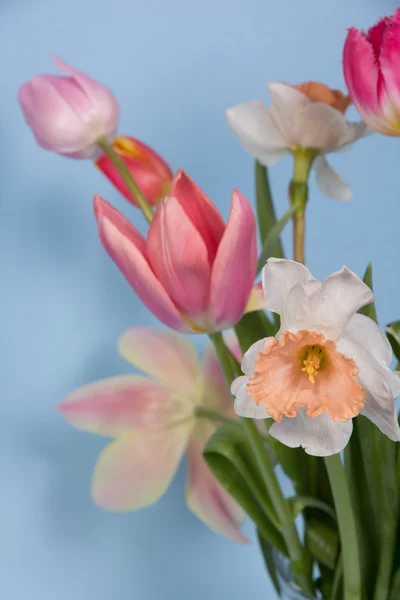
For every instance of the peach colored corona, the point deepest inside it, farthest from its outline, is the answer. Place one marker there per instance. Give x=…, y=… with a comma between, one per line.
x=326, y=365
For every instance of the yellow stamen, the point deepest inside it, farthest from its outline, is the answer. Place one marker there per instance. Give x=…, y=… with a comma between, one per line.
x=311, y=368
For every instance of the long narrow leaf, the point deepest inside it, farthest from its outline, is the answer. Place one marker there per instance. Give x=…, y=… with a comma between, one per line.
x=265, y=208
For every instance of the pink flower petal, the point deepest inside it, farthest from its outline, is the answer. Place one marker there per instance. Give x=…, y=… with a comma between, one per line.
x=113, y=406
x=200, y=210
x=256, y=300
x=105, y=104
x=389, y=62
x=126, y=247
x=208, y=499
x=235, y=265
x=178, y=256
x=168, y=357
x=136, y=469
x=361, y=72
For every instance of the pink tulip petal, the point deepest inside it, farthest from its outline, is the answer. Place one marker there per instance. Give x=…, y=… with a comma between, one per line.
x=208, y=500
x=105, y=104
x=126, y=247
x=136, y=469
x=390, y=64
x=200, y=210
x=113, y=406
x=168, y=357
x=178, y=256
x=47, y=112
x=361, y=72
x=235, y=265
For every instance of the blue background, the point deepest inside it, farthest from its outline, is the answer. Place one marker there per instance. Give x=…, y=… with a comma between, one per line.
x=175, y=67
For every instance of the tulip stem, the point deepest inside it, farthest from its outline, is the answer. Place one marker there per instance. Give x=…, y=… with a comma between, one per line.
x=123, y=170
x=213, y=415
x=298, y=194
x=347, y=528
x=297, y=553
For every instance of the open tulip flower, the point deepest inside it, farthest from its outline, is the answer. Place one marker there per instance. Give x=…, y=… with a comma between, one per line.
x=326, y=365
x=309, y=116
x=195, y=273
x=153, y=420
x=371, y=69
x=69, y=114
x=150, y=171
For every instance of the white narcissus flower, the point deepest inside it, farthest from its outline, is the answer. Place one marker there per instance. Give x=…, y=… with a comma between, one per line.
x=153, y=422
x=309, y=116
x=326, y=365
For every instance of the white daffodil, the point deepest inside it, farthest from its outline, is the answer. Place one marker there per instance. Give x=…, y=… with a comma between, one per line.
x=309, y=116
x=326, y=365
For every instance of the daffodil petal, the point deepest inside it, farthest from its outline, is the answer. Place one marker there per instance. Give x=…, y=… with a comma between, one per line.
x=279, y=276
x=208, y=500
x=136, y=469
x=244, y=406
x=329, y=182
x=168, y=357
x=118, y=404
x=319, y=436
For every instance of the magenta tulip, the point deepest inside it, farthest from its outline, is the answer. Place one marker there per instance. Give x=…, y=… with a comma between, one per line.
x=69, y=114
x=195, y=273
x=371, y=69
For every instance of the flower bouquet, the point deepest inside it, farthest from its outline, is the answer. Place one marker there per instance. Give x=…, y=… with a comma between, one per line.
x=297, y=373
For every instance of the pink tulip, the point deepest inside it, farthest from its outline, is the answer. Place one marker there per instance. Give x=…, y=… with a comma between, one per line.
x=149, y=169
x=371, y=69
x=193, y=272
x=152, y=420
x=69, y=114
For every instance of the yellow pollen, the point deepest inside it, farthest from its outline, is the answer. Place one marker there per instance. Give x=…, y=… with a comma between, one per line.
x=311, y=368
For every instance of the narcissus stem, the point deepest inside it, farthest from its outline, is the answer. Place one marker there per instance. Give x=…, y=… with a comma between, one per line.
x=123, y=170
x=352, y=584
x=298, y=193
x=297, y=553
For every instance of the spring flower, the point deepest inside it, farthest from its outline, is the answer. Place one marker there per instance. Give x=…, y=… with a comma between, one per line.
x=193, y=272
x=153, y=422
x=371, y=69
x=69, y=114
x=326, y=365
x=309, y=116
x=150, y=171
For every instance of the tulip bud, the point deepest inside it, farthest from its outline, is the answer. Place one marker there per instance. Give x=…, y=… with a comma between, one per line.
x=69, y=114
x=149, y=170
x=371, y=69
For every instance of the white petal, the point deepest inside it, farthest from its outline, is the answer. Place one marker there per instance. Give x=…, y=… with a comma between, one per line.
x=279, y=276
x=355, y=131
x=249, y=359
x=257, y=133
x=244, y=405
x=320, y=126
x=367, y=334
x=285, y=105
x=328, y=306
x=329, y=181
x=379, y=382
x=319, y=436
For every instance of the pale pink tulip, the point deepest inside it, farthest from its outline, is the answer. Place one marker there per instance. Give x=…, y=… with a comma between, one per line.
x=193, y=272
x=153, y=420
x=371, y=69
x=69, y=114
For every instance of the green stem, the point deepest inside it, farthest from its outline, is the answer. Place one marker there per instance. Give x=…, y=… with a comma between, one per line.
x=384, y=575
x=202, y=412
x=298, y=192
x=352, y=584
x=297, y=555
x=123, y=170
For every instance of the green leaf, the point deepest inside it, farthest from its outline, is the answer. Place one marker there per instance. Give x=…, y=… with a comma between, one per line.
x=299, y=503
x=274, y=236
x=395, y=589
x=265, y=209
x=393, y=334
x=323, y=542
x=228, y=456
x=267, y=552
x=369, y=310
x=252, y=327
